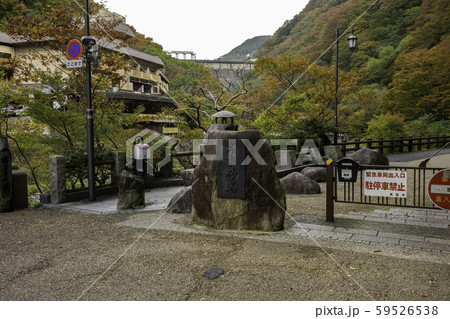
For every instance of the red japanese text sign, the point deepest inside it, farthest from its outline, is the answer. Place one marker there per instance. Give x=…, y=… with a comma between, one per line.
x=384, y=183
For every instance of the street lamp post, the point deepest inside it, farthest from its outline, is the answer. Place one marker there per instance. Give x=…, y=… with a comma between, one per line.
x=89, y=42
x=352, y=39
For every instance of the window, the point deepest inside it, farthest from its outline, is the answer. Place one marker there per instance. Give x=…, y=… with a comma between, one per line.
x=137, y=86
x=5, y=55
x=147, y=88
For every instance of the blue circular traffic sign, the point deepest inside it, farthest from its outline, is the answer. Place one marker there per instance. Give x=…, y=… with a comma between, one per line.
x=74, y=49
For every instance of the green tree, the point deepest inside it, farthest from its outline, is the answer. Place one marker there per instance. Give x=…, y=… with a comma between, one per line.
x=57, y=106
x=387, y=126
x=420, y=84
x=381, y=68
x=200, y=91
x=310, y=92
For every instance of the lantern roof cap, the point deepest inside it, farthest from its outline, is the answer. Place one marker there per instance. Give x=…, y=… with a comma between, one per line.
x=223, y=114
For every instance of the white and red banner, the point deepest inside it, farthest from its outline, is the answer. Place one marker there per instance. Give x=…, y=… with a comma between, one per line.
x=385, y=183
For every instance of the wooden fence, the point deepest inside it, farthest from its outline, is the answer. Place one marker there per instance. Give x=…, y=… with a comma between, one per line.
x=396, y=145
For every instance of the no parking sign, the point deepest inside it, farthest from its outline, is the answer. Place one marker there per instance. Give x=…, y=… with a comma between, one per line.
x=74, y=49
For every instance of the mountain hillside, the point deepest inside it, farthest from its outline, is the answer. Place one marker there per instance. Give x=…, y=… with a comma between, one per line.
x=246, y=49
x=403, y=48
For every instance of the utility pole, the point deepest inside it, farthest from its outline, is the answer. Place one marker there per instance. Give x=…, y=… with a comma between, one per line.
x=89, y=112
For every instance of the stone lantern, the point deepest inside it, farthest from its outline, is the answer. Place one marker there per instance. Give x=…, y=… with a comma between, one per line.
x=224, y=122
x=224, y=116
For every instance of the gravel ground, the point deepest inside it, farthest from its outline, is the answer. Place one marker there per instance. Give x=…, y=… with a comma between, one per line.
x=49, y=254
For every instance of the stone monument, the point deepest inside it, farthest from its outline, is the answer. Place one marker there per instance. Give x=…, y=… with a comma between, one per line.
x=236, y=185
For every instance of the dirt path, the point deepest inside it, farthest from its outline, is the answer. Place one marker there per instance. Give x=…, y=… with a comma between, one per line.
x=49, y=254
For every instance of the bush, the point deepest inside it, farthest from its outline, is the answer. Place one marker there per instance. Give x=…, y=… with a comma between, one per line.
x=308, y=128
x=427, y=125
x=387, y=126
x=439, y=128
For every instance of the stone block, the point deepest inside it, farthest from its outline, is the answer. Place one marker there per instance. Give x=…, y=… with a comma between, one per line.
x=6, y=187
x=285, y=159
x=304, y=159
x=20, y=189
x=333, y=152
x=57, y=176
x=119, y=165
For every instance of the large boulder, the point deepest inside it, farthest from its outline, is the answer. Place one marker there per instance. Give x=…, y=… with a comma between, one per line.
x=264, y=203
x=131, y=191
x=181, y=203
x=366, y=156
x=317, y=174
x=297, y=183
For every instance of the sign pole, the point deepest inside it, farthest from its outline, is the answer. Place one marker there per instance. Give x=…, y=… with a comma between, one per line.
x=89, y=114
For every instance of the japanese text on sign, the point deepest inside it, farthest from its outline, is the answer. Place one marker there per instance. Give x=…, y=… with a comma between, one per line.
x=385, y=183
x=74, y=64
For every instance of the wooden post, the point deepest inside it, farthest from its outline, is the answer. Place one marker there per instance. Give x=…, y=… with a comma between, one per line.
x=369, y=143
x=410, y=144
x=344, y=149
x=380, y=146
x=419, y=144
x=391, y=147
x=330, y=191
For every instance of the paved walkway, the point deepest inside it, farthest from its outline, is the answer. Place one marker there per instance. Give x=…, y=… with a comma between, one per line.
x=155, y=199
x=411, y=228
x=419, y=229
x=414, y=156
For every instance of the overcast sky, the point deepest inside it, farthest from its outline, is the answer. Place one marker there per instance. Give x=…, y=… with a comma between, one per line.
x=207, y=27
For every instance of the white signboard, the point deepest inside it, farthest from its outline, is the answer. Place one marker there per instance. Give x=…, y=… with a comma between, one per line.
x=71, y=64
x=385, y=183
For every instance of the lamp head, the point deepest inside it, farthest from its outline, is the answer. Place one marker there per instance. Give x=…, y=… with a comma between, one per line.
x=88, y=41
x=352, y=39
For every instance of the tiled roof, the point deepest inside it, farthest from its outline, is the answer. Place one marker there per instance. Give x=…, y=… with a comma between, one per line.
x=130, y=52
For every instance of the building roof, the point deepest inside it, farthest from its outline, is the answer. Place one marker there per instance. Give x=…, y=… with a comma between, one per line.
x=164, y=77
x=7, y=39
x=126, y=95
x=131, y=52
x=125, y=28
